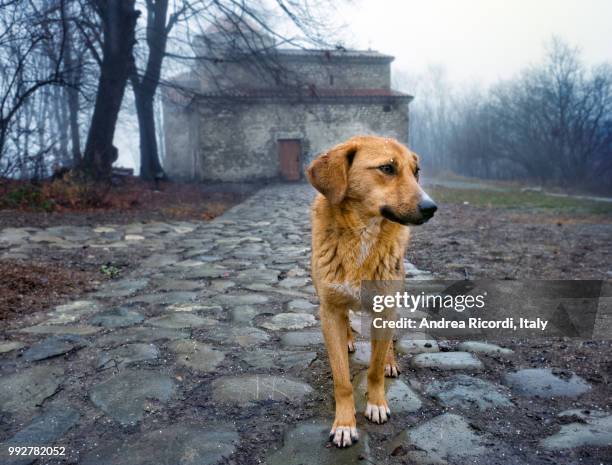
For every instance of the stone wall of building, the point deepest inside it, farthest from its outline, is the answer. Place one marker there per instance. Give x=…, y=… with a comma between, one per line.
x=312, y=72
x=228, y=140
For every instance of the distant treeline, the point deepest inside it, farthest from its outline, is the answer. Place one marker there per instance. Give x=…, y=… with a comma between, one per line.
x=551, y=124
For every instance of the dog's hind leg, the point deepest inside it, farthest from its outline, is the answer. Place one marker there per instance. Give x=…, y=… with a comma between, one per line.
x=334, y=325
x=391, y=368
x=350, y=340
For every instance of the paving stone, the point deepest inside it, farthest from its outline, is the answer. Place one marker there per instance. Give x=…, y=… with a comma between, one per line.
x=594, y=430
x=290, y=321
x=46, y=429
x=302, y=305
x=221, y=285
x=447, y=361
x=416, y=343
x=171, y=284
x=455, y=441
x=125, y=396
x=159, y=261
x=9, y=346
x=23, y=391
x=294, y=282
x=468, y=392
x=247, y=337
x=229, y=300
x=183, y=444
x=141, y=334
x=302, y=338
x=164, y=298
x=216, y=310
x=205, y=271
x=400, y=397
x=244, y=390
x=285, y=359
x=305, y=444
x=258, y=276
x=117, y=318
x=78, y=330
x=121, y=357
x=181, y=320
x=541, y=382
x=72, y=311
x=197, y=355
x=362, y=353
x=244, y=314
x=52, y=347
x=122, y=288
x=484, y=348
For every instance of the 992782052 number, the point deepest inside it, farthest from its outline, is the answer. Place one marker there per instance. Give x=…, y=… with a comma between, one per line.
x=37, y=450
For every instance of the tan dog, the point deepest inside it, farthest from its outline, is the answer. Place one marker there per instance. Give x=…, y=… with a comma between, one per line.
x=370, y=190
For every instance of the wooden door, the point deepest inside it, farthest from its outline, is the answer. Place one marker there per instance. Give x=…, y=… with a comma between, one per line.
x=289, y=154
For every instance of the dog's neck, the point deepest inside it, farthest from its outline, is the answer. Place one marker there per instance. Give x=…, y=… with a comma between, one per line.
x=352, y=222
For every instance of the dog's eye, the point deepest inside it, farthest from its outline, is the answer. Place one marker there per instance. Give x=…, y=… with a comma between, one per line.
x=416, y=173
x=387, y=169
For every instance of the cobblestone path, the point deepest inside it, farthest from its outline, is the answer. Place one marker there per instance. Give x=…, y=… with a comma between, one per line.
x=211, y=352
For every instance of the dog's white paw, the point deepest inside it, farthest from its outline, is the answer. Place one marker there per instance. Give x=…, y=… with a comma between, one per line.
x=343, y=436
x=351, y=346
x=377, y=413
x=391, y=370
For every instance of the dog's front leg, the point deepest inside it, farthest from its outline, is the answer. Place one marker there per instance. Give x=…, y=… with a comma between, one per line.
x=377, y=409
x=334, y=325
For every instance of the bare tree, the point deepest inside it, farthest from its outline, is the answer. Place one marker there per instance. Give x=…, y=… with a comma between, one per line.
x=118, y=19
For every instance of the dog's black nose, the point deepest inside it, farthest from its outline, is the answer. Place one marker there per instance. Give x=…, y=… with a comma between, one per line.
x=427, y=207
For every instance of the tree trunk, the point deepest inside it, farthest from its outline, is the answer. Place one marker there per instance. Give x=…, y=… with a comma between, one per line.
x=150, y=166
x=72, y=91
x=145, y=88
x=119, y=22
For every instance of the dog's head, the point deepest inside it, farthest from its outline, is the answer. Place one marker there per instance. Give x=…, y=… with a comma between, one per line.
x=378, y=176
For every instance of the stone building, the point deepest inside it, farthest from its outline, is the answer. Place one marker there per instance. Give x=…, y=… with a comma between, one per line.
x=238, y=122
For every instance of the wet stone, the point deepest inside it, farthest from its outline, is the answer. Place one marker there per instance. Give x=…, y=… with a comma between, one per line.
x=455, y=441
x=52, y=347
x=484, y=348
x=541, y=382
x=181, y=320
x=125, y=396
x=196, y=355
x=593, y=430
x=72, y=311
x=290, y=321
x=416, y=344
x=302, y=305
x=141, y=334
x=79, y=330
x=184, y=444
x=447, y=361
x=305, y=444
x=400, y=397
x=204, y=272
x=117, y=318
x=215, y=310
x=123, y=288
x=302, y=338
x=124, y=355
x=285, y=359
x=9, y=346
x=229, y=300
x=362, y=353
x=244, y=314
x=178, y=285
x=26, y=389
x=46, y=429
x=468, y=392
x=244, y=390
x=165, y=298
x=292, y=283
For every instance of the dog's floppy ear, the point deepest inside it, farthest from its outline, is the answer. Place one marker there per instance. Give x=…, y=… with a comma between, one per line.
x=328, y=173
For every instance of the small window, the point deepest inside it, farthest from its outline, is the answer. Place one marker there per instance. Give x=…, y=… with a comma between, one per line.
x=386, y=108
x=331, y=80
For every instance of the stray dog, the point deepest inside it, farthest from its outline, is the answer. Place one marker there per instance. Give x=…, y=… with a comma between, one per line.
x=369, y=191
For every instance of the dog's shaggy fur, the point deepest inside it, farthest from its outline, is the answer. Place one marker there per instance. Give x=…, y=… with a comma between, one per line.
x=369, y=191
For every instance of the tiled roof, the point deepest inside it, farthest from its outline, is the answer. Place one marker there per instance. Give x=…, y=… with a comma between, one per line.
x=333, y=53
x=308, y=93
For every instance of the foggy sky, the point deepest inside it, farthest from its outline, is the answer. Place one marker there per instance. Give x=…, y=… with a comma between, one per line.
x=477, y=40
